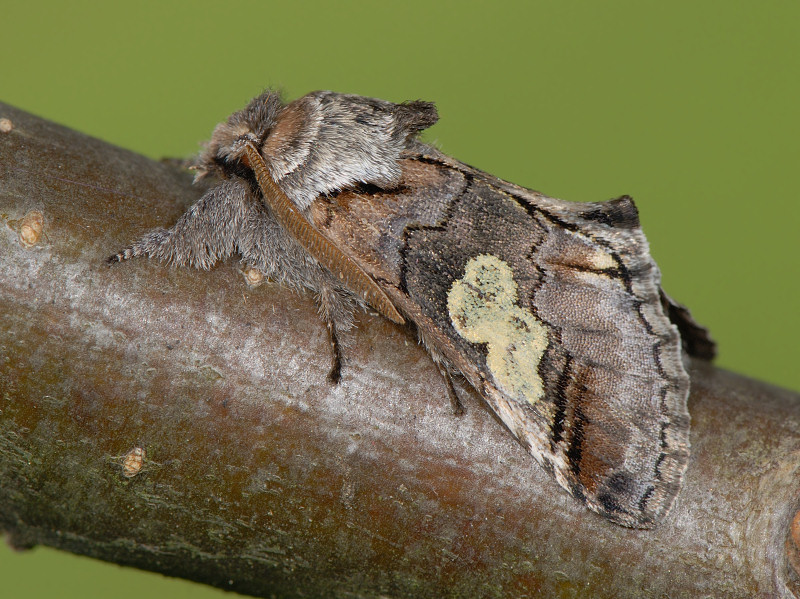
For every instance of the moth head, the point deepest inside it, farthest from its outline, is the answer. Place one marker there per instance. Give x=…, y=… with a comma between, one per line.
x=318, y=144
x=253, y=123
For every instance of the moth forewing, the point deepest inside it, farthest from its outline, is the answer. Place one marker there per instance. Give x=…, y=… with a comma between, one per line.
x=550, y=310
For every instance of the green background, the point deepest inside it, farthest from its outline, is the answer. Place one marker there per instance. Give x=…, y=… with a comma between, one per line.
x=690, y=107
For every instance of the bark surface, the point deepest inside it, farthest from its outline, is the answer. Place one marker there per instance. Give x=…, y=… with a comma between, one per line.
x=180, y=421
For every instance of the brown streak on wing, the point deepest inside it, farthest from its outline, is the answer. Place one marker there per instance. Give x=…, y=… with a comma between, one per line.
x=325, y=252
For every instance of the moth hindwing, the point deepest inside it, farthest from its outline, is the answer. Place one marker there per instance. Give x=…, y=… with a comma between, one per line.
x=552, y=310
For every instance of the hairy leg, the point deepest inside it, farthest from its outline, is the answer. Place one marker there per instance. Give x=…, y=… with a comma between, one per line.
x=447, y=374
x=206, y=233
x=455, y=400
x=336, y=310
x=229, y=219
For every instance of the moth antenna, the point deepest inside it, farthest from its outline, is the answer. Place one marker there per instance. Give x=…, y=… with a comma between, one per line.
x=327, y=254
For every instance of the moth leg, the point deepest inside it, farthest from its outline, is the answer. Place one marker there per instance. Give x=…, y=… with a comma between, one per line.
x=336, y=310
x=206, y=233
x=335, y=374
x=443, y=365
x=455, y=400
x=155, y=243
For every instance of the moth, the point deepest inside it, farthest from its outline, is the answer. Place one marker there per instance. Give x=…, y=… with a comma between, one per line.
x=551, y=310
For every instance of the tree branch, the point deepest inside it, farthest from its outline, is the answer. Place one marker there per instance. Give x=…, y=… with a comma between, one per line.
x=253, y=473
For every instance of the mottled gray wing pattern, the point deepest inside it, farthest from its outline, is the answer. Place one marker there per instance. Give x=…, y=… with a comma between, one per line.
x=551, y=310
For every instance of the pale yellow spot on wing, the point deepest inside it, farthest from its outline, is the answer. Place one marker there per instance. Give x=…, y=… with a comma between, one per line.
x=483, y=309
x=592, y=278
x=602, y=260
